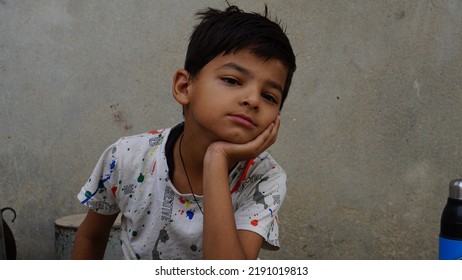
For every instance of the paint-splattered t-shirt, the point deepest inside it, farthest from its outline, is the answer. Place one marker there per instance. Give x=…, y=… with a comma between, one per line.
x=158, y=222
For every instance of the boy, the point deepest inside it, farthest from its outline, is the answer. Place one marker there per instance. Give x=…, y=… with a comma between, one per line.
x=205, y=188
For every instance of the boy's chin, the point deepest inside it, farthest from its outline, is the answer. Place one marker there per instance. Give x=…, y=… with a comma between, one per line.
x=238, y=140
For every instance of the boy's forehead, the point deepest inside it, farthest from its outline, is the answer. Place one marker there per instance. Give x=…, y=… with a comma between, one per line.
x=243, y=57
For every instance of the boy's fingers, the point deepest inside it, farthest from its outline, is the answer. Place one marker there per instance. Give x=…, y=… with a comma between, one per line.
x=269, y=135
x=255, y=147
x=273, y=132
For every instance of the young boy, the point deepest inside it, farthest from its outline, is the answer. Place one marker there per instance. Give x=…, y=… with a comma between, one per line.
x=205, y=188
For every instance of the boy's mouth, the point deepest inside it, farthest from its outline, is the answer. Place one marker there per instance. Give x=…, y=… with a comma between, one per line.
x=244, y=120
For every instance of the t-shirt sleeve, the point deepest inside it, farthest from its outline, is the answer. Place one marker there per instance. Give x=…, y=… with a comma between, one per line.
x=98, y=193
x=259, y=203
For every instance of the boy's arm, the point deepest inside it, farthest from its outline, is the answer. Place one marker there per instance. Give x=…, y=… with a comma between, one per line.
x=221, y=238
x=92, y=236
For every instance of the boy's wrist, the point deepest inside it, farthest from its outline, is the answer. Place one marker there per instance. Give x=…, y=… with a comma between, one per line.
x=215, y=156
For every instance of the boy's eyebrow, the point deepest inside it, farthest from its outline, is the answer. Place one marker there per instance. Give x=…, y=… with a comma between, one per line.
x=247, y=72
x=238, y=68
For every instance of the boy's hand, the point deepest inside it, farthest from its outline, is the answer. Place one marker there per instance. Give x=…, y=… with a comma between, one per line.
x=241, y=152
x=222, y=240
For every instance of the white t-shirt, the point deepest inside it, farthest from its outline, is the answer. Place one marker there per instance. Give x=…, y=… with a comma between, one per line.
x=158, y=222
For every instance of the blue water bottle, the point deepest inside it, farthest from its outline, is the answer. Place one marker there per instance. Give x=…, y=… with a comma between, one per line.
x=450, y=242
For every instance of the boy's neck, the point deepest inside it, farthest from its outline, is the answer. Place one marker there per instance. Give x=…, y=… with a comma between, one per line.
x=193, y=149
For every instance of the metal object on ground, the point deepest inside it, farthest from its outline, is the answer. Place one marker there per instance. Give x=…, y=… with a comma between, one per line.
x=2, y=245
x=7, y=242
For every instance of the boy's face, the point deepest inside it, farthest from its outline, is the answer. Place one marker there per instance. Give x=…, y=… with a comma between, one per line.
x=235, y=96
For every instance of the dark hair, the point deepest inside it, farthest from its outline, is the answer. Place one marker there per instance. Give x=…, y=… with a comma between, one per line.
x=231, y=30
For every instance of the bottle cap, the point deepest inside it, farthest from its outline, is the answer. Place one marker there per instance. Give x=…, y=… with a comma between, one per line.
x=455, y=189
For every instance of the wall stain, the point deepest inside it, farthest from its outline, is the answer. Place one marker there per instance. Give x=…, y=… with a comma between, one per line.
x=400, y=15
x=119, y=116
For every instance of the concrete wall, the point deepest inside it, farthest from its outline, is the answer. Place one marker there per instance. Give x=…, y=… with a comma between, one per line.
x=371, y=129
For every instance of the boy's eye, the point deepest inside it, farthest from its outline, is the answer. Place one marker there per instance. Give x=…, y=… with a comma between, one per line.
x=270, y=98
x=230, y=81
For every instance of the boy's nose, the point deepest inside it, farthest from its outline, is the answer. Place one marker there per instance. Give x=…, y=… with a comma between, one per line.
x=251, y=100
x=251, y=107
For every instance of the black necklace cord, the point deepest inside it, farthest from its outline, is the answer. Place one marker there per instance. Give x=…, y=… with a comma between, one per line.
x=186, y=173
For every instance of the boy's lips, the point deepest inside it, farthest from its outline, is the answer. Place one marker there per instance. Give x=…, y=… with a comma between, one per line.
x=244, y=120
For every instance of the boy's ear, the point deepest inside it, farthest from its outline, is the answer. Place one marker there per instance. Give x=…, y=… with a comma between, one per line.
x=181, y=84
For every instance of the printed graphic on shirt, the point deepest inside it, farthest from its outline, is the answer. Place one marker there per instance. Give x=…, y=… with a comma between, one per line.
x=163, y=237
x=259, y=197
x=167, y=205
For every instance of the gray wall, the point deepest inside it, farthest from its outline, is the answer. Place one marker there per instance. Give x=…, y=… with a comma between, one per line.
x=371, y=129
